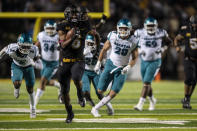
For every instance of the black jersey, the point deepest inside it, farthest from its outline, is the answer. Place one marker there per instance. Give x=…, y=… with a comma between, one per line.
x=190, y=41
x=75, y=49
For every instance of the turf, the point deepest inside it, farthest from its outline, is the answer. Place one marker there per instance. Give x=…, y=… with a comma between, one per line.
x=168, y=116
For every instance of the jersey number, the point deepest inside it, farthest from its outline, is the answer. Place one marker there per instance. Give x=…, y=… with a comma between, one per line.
x=46, y=47
x=151, y=44
x=90, y=61
x=120, y=51
x=193, y=43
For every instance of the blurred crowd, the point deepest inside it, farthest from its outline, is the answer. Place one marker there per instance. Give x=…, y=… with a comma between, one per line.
x=171, y=14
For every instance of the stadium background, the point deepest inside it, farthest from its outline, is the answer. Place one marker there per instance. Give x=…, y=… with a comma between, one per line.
x=171, y=14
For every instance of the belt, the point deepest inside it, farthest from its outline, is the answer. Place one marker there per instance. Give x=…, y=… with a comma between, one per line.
x=70, y=60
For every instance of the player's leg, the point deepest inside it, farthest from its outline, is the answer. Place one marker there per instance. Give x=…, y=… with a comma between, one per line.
x=77, y=71
x=118, y=81
x=16, y=76
x=194, y=79
x=29, y=77
x=64, y=78
x=49, y=69
x=148, y=71
x=86, y=83
x=189, y=69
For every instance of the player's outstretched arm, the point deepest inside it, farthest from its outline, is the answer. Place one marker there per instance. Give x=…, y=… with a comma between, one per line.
x=3, y=52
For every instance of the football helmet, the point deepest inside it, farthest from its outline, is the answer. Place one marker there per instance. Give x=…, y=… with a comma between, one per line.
x=83, y=13
x=71, y=13
x=124, y=27
x=90, y=42
x=150, y=25
x=50, y=28
x=25, y=43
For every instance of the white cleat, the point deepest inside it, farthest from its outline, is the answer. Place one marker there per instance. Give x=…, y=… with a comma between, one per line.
x=33, y=113
x=95, y=112
x=110, y=109
x=17, y=93
x=152, y=104
x=138, y=107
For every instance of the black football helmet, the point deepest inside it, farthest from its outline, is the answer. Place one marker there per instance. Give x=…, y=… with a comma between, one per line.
x=71, y=14
x=83, y=11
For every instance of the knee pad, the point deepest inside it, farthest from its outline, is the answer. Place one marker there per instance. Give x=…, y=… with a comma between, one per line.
x=30, y=90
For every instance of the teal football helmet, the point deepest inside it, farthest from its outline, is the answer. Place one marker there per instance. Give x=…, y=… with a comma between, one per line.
x=50, y=28
x=124, y=27
x=25, y=43
x=90, y=42
x=150, y=25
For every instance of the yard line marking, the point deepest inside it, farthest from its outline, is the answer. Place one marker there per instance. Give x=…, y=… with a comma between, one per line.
x=98, y=128
x=111, y=120
x=116, y=114
x=20, y=110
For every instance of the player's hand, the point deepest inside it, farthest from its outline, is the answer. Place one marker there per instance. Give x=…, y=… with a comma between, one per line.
x=32, y=62
x=97, y=67
x=87, y=50
x=125, y=69
x=103, y=19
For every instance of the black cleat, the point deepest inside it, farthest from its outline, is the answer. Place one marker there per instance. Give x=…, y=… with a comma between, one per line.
x=82, y=102
x=70, y=117
x=186, y=104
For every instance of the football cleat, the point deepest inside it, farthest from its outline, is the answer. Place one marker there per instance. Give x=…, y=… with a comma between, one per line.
x=110, y=109
x=82, y=102
x=70, y=117
x=152, y=104
x=138, y=107
x=95, y=112
x=17, y=93
x=33, y=113
x=186, y=104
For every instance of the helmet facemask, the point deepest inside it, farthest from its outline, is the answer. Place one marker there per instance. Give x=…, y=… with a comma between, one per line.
x=50, y=30
x=90, y=43
x=150, y=28
x=24, y=48
x=123, y=31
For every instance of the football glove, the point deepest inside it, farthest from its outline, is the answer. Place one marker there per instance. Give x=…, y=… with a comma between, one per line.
x=97, y=67
x=125, y=69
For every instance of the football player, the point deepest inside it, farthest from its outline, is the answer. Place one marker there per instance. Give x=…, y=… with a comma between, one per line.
x=188, y=35
x=72, y=42
x=22, y=54
x=48, y=42
x=122, y=45
x=91, y=52
x=150, y=50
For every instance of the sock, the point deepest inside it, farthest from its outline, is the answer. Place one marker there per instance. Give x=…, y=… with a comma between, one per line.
x=109, y=105
x=142, y=100
x=103, y=102
x=151, y=98
x=32, y=100
x=39, y=94
x=187, y=97
x=57, y=84
x=69, y=109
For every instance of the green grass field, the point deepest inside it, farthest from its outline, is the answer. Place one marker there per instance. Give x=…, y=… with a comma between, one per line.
x=169, y=115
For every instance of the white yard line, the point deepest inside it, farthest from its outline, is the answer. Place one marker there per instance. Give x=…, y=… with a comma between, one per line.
x=148, y=128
